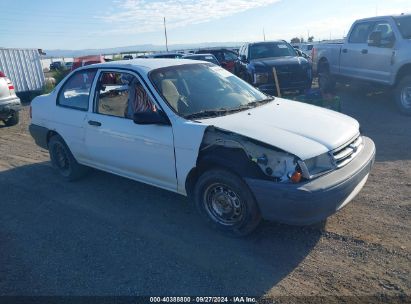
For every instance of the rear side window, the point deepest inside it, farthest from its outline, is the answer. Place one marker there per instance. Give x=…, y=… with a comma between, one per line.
x=76, y=90
x=360, y=32
x=387, y=34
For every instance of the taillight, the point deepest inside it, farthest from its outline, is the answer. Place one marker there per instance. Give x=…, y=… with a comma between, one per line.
x=10, y=84
x=2, y=74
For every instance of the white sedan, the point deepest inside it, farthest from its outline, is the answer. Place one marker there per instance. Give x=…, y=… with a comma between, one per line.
x=193, y=128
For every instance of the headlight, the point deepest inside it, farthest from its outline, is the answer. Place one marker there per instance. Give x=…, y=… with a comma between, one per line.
x=260, y=78
x=317, y=165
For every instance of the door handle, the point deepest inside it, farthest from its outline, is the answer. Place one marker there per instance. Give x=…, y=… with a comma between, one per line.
x=344, y=50
x=94, y=123
x=364, y=51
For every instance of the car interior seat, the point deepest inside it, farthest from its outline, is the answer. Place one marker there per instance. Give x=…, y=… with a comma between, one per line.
x=170, y=92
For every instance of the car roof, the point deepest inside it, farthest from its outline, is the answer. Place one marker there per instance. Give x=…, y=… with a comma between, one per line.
x=270, y=41
x=143, y=64
x=199, y=54
x=163, y=54
x=382, y=17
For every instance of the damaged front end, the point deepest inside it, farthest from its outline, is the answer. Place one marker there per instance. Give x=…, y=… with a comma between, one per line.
x=248, y=157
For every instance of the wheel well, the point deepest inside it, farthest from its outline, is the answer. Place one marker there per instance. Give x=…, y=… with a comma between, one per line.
x=233, y=160
x=50, y=134
x=403, y=71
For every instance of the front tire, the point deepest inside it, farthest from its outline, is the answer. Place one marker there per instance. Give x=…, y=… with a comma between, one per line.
x=226, y=203
x=63, y=160
x=13, y=120
x=403, y=95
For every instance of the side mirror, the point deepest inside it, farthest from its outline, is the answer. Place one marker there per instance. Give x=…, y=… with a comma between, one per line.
x=150, y=118
x=375, y=39
x=243, y=58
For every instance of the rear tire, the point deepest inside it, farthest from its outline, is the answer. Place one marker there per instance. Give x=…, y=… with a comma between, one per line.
x=63, y=160
x=224, y=200
x=403, y=95
x=13, y=120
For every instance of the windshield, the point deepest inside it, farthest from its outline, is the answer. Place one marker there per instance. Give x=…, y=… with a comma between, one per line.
x=267, y=50
x=404, y=25
x=204, y=90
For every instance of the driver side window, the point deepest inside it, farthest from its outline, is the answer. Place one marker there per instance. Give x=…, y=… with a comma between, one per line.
x=121, y=95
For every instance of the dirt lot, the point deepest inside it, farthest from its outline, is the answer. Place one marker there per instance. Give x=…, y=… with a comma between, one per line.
x=106, y=235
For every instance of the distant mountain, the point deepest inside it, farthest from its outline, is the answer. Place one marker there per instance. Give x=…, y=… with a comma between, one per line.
x=137, y=49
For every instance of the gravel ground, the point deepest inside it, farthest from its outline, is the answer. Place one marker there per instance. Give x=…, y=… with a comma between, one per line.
x=106, y=235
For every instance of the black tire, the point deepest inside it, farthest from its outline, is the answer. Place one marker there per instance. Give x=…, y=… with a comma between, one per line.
x=13, y=120
x=216, y=188
x=326, y=81
x=63, y=160
x=403, y=95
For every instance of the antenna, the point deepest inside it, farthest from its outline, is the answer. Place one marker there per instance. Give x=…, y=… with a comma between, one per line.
x=165, y=33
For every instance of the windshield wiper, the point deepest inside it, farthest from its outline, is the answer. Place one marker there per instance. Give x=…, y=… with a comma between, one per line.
x=207, y=113
x=256, y=103
x=222, y=111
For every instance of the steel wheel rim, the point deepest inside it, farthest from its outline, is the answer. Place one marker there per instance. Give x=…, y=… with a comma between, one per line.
x=61, y=159
x=406, y=97
x=223, y=204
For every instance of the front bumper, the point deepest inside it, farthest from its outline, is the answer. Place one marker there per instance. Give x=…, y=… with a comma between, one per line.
x=312, y=201
x=271, y=89
x=9, y=106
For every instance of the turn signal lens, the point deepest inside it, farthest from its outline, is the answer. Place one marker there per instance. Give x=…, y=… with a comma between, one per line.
x=296, y=177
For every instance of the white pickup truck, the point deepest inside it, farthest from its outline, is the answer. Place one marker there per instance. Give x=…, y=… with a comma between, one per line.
x=193, y=128
x=376, y=50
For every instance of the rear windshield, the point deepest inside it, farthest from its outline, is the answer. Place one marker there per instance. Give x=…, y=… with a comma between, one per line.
x=267, y=50
x=404, y=25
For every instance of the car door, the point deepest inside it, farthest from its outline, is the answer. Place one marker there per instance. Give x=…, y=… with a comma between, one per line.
x=354, y=53
x=379, y=60
x=116, y=144
x=72, y=105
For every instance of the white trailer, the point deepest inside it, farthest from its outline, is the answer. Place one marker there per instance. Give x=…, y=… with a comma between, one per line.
x=23, y=67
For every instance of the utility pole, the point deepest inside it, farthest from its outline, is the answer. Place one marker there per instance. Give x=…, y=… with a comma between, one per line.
x=165, y=33
x=264, y=34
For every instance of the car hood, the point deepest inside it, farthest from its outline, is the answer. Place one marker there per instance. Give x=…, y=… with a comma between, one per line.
x=278, y=61
x=298, y=128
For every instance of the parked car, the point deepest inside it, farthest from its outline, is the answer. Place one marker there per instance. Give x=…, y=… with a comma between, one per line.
x=165, y=55
x=68, y=65
x=304, y=47
x=9, y=103
x=377, y=50
x=127, y=57
x=305, y=55
x=87, y=60
x=196, y=129
x=56, y=65
x=225, y=57
x=257, y=60
x=204, y=57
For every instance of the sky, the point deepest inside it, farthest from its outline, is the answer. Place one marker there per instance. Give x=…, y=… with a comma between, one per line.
x=84, y=24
